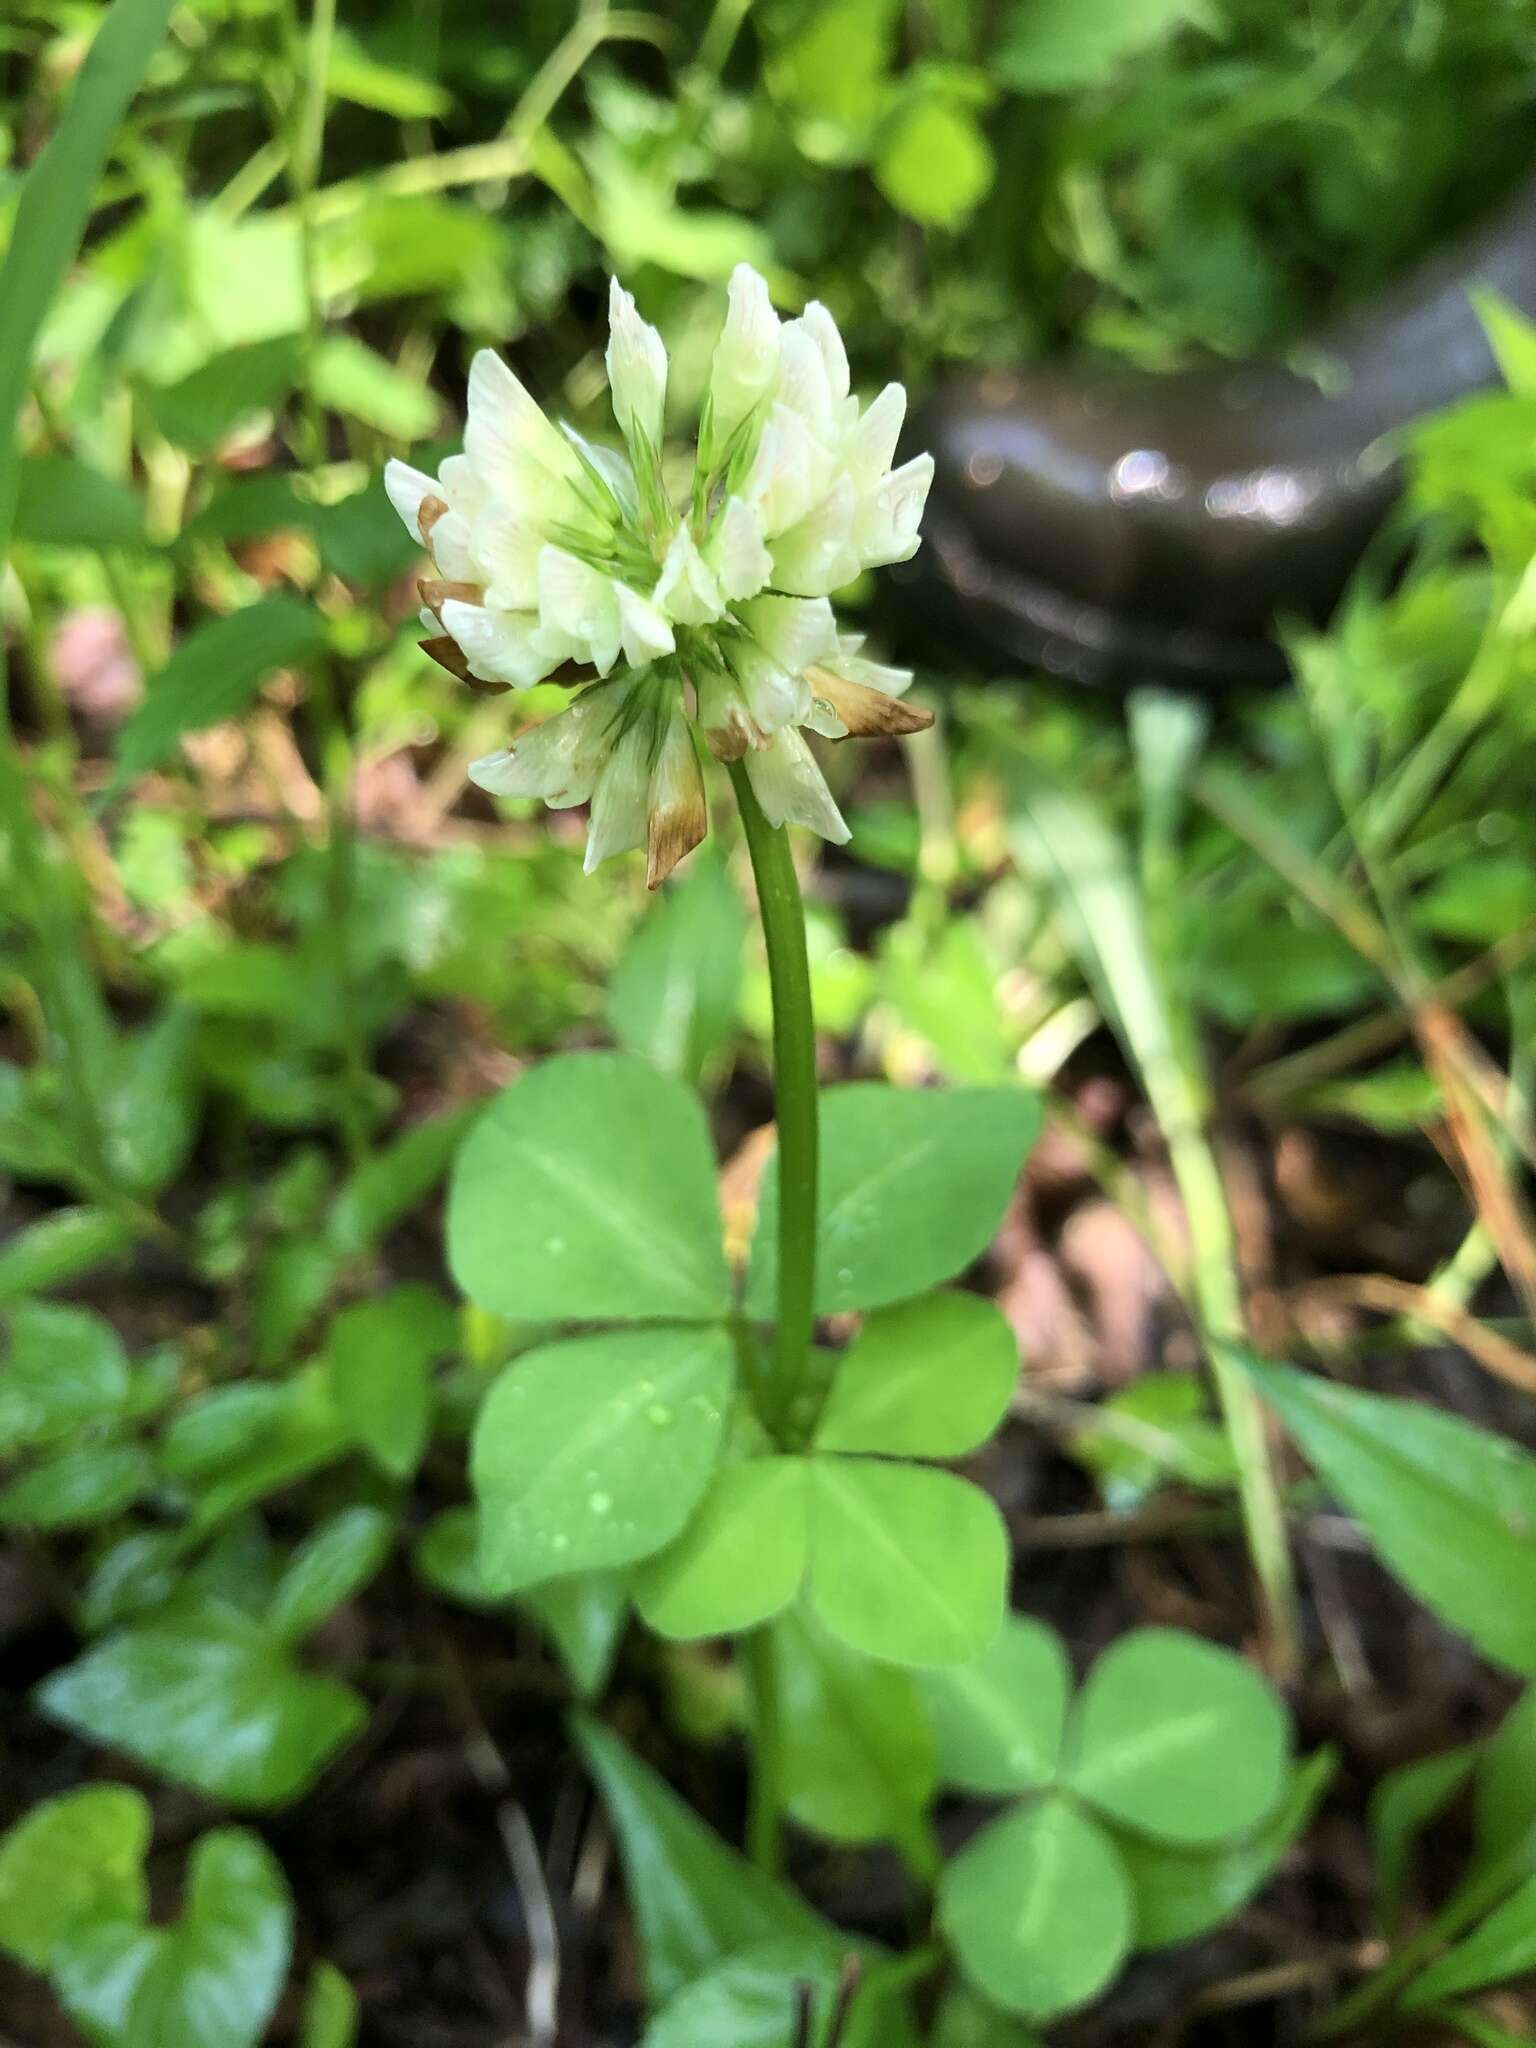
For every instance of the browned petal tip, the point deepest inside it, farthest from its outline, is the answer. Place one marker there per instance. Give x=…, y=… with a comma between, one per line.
x=868, y=713
x=428, y=514
x=448, y=654
x=673, y=833
x=434, y=592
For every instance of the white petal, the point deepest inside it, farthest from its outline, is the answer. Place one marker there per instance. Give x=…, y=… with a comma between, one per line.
x=823, y=330
x=502, y=646
x=889, y=519
x=558, y=760
x=873, y=442
x=637, y=370
x=406, y=488
x=577, y=603
x=803, y=382
x=815, y=556
x=643, y=631
x=686, y=590
x=465, y=492
x=621, y=800
x=790, y=472
x=506, y=554
x=792, y=789
x=746, y=364
x=858, y=668
x=735, y=551
x=506, y=433
x=794, y=631
x=728, y=725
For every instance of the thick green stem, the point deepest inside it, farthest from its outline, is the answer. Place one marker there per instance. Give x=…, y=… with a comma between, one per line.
x=794, y=1075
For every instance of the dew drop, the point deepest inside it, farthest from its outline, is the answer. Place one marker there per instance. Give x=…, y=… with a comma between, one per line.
x=659, y=1414
x=599, y=1503
x=553, y=1246
x=559, y=1541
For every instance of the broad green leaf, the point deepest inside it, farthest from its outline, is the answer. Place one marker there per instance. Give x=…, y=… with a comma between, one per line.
x=748, y=2001
x=381, y=1354
x=1177, y=1738
x=329, y=1568
x=1504, y=1946
x=148, y=1103
x=214, y=673
x=206, y=406
x=1182, y=1893
x=695, y=1900
x=212, y=1978
x=907, y=1564
x=1038, y=1909
x=583, y=1616
x=71, y=1862
x=66, y=1369
x=739, y=1561
x=584, y=1619
x=594, y=1452
x=59, y=1247
x=1450, y=1508
x=935, y=164
x=55, y=204
x=1402, y=1805
x=207, y=1697
x=77, y=1486
x=65, y=503
x=330, y=2016
x=349, y=377
x=1000, y=1720
x=587, y=1190
x=1063, y=45
x=913, y=1187
x=856, y=1752
x=928, y=1379
x=217, y=1427
x=967, y=2021
x=672, y=998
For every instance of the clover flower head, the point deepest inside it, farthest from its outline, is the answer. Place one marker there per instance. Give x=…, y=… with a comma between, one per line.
x=553, y=556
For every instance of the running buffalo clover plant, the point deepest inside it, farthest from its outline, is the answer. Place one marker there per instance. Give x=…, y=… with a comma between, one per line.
x=672, y=1435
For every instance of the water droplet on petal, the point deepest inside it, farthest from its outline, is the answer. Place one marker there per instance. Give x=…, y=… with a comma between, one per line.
x=599, y=1503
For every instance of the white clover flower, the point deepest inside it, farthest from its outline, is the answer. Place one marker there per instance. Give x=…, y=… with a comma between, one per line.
x=553, y=557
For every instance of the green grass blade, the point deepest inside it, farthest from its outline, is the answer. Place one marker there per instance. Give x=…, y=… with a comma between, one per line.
x=55, y=205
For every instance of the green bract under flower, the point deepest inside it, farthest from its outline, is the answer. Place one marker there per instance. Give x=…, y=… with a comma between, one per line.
x=553, y=554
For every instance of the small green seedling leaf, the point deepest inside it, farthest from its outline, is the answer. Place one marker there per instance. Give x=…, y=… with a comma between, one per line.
x=931, y=1378
x=1504, y=1946
x=1038, y=1909
x=58, y=1247
x=857, y=1754
x=1178, y=1739
x=210, y=1980
x=673, y=996
x=587, y=1190
x=739, y=1561
x=76, y=1487
x=695, y=1899
x=999, y=1721
x=330, y=2017
x=594, y=1453
x=907, y=1564
x=214, y=673
x=968, y=2021
x=1450, y=1508
x=1183, y=1893
x=381, y=1355
x=207, y=1697
x=66, y=1368
x=69, y=1864
x=748, y=2001
x=1505, y=1802
x=913, y=1186
x=328, y=1569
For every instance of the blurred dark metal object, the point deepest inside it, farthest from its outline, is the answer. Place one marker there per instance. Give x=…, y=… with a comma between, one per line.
x=1118, y=529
